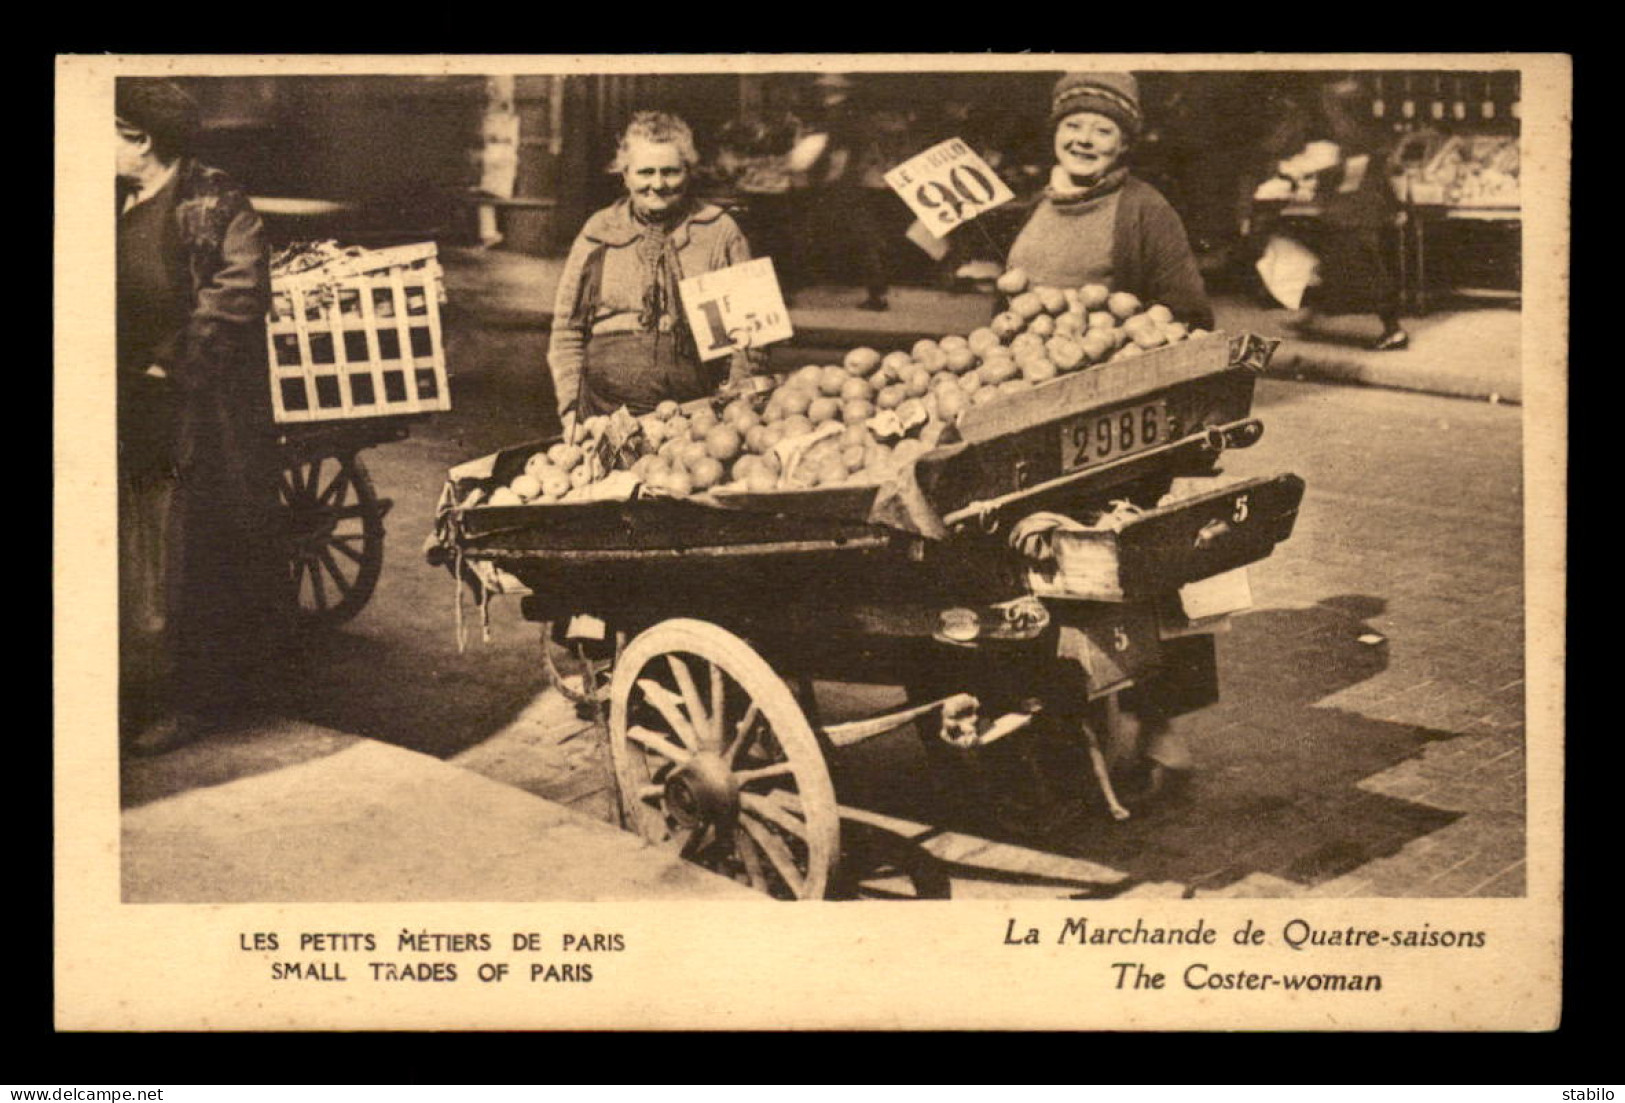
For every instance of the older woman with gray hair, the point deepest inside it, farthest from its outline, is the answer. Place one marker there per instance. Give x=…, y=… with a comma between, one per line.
x=619, y=333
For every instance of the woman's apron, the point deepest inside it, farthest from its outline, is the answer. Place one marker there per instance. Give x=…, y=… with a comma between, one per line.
x=640, y=370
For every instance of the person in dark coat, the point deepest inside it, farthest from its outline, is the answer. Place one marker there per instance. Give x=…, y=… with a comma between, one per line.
x=1097, y=222
x=1359, y=209
x=200, y=575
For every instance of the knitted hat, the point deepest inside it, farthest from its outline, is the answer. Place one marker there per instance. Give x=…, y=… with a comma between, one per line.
x=1114, y=95
x=161, y=108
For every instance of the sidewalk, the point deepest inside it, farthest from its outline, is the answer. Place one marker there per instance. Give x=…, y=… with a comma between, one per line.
x=370, y=822
x=1469, y=351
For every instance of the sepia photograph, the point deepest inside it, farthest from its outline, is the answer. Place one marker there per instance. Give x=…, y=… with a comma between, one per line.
x=1084, y=495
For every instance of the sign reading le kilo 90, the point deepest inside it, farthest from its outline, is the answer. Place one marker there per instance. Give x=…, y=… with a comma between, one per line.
x=948, y=184
x=737, y=307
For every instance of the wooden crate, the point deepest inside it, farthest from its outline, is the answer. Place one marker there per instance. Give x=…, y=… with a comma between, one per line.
x=358, y=337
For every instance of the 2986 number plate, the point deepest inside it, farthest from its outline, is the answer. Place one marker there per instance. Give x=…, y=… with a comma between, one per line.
x=1111, y=434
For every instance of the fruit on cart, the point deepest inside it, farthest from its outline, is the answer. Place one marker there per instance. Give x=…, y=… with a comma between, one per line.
x=1144, y=331
x=1007, y=325
x=705, y=473
x=823, y=408
x=537, y=465
x=857, y=410
x=831, y=380
x=1012, y=281
x=896, y=365
x=950, y=401
x=982, y=340
x=862, y=361
x=723, y=443
x=564, y=455
x=1093, y=296
x=1053, y=299
x=1027, y=304
x=1065, y=352
x=1023, y=344
x=679, y=483
x=874, y=411
x=1122, y=304
x=997, y=371
x=794, y=400
x=504, y=496
x=555, y=484
x=1037, y=369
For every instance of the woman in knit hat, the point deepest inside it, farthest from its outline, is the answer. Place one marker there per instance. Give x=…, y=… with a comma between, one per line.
x=1097, y=223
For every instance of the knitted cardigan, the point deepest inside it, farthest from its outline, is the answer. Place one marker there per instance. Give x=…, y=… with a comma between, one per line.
x=1151, y=256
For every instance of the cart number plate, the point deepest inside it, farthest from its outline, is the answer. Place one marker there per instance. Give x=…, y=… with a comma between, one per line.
x=1112, y=434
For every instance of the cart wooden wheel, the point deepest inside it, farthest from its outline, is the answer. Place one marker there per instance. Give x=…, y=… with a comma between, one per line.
x=714, y=757
x=335, y=531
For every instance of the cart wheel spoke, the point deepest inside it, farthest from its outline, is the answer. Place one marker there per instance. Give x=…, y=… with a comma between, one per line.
x=694, y=842
x=357, y=511
x=341, y=581
x=341, y=544
x=290, y=495
x=336, y=490
x=773, y=813
x=765, y=773
x=697, y=715
x=658, y=744
x=744, y=734
x=667, y=704
x=719, y=705
x=318, y=588
x=735, y=777
x=751, y=855
x=777, y=853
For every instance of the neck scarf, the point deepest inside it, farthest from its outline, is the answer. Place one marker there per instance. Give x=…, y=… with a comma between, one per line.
x=1065, y=194
x=662, y=310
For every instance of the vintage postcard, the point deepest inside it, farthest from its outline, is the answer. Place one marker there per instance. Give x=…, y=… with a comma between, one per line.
x=774, y=542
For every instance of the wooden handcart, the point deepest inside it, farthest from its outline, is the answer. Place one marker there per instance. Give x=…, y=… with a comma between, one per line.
x=718, y=611
x=356, y=354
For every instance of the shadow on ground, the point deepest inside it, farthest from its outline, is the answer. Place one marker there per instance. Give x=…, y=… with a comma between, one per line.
x=1277, y=789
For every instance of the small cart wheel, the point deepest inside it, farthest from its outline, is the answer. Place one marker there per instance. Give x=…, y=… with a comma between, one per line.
x=714, y=757
x=335, y=538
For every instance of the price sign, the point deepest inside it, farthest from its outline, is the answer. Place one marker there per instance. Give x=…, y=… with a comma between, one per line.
x=948, y=184
x=734, y=308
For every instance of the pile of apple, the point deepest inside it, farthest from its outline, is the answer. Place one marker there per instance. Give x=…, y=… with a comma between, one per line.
x=861, y=421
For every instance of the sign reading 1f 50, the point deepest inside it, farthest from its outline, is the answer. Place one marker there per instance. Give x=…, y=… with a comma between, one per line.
x=948, y=184
x=737, y=307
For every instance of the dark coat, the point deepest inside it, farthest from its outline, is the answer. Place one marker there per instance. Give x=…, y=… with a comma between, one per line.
x=207, y=425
